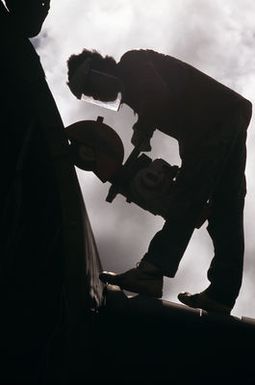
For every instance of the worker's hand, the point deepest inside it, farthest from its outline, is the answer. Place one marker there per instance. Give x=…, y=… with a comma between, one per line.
x=141, y=137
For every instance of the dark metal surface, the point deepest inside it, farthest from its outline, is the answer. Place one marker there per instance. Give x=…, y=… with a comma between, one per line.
x=157, y=341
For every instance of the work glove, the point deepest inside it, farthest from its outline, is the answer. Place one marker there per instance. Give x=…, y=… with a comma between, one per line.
x=141, y=137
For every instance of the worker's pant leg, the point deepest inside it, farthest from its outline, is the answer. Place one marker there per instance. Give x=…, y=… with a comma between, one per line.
x=225, y=226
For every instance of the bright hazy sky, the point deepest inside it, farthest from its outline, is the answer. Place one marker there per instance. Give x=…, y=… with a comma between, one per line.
x=216, y=36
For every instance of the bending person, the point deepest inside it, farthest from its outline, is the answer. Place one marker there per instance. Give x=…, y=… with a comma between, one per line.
x=210, y=122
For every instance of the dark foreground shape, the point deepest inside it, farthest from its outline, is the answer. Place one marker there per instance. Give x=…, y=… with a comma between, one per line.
x=130, y=340
x=144, y=340
x=156, y=341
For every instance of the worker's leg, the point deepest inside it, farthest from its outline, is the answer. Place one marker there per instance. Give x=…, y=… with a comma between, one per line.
x=168, y=246
x=225, y=227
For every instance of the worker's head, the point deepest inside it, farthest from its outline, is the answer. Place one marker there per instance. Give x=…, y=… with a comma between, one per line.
x=28, y=15
x=91, y=74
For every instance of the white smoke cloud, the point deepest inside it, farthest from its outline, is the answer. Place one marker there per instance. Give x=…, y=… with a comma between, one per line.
x=215, y=36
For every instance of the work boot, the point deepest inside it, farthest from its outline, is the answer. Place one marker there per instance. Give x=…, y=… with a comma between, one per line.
x=144, y=279
x=202, y=301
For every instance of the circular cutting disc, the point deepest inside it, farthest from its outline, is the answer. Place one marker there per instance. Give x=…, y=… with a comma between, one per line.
x=96, y=147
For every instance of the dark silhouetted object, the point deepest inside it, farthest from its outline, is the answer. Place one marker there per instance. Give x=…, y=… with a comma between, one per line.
x=44, y=228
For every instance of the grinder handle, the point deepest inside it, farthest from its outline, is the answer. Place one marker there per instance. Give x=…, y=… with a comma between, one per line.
x=114, y=189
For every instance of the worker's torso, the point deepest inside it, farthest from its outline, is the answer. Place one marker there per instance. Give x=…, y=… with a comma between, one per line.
x=195, y=103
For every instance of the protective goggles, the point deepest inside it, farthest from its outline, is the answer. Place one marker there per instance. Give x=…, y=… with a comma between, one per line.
x=79, y=78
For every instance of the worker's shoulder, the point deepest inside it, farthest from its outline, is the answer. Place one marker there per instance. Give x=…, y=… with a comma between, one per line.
x=141, y=56
x=137, y=55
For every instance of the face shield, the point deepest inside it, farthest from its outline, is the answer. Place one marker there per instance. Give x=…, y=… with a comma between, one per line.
x=103, y=86
x=112, y=105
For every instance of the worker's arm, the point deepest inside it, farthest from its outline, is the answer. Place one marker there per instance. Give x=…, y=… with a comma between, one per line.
x=149, y=90
x=153, y=95
x=142, y=135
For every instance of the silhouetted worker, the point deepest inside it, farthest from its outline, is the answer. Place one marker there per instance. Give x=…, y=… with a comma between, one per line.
x=209, y=121
x=31, y=262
